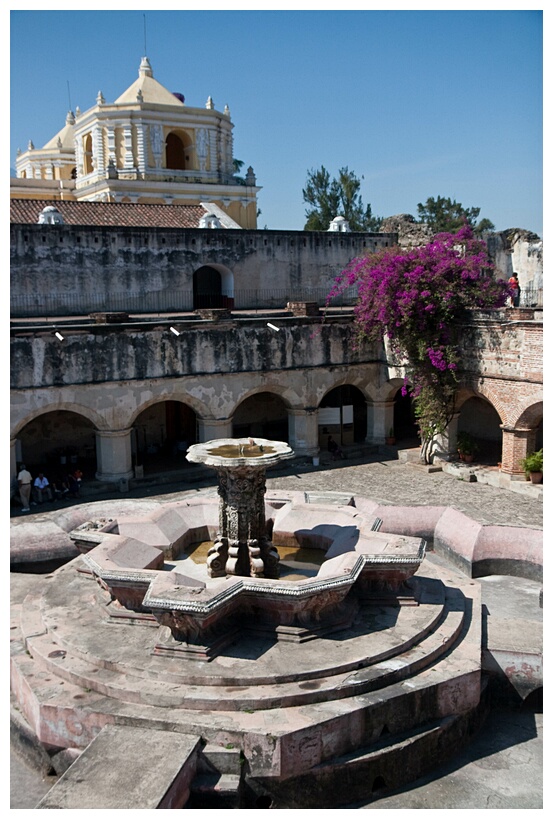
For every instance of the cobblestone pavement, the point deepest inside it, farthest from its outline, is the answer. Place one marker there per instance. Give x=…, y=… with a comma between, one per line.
x=391, y=482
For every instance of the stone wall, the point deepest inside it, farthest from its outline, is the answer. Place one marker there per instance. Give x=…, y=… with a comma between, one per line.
x=409, y=232
x=106, y=354
x=65, y=269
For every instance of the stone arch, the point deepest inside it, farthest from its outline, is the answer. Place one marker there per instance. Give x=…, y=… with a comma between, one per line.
x=481, y=390
x=480, y=420
x=213, y=287
x=201, y=409
x=531, y=416
x=289, y=397
x=178, y=151
x=343, y=414
x=162, y=431
x=96, y=419
x=57, y=437
x=262, y=413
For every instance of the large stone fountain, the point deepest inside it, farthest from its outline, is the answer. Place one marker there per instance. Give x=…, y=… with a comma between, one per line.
x=363, y=670
x=242, y=546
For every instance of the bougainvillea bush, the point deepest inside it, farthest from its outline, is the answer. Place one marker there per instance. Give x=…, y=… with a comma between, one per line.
x=417, y=298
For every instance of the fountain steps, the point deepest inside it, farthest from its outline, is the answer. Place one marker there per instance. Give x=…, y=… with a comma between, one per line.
x=391, y=762
x=279, y=744
x=79, y=656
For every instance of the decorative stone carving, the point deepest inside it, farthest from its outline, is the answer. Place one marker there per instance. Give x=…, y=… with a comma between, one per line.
x=242, y=547
x=202, y=147
x=156, y=142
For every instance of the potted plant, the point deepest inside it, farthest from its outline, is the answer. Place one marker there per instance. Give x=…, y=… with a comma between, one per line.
x=466, y=447
x=390, y=439
x=533, y=466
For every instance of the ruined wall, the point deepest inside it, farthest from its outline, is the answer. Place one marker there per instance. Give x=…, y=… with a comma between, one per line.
x=518, y=251
x=65, y=269
x=512, y=250
x=409, y=232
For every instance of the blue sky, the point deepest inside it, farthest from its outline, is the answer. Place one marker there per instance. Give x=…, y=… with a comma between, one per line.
x=419, y=103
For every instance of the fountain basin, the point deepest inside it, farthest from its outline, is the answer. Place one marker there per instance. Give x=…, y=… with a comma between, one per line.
x=200, y=615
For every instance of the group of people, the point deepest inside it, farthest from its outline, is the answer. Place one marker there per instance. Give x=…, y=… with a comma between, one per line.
x=41, y=489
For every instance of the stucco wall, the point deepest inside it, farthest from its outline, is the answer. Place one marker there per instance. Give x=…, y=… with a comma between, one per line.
x=64, y=268
x=103, y=353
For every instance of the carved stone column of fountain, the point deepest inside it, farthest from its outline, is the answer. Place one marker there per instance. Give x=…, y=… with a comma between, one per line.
x=242, y=546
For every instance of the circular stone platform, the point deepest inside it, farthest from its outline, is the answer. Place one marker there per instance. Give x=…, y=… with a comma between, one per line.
x=393, y=691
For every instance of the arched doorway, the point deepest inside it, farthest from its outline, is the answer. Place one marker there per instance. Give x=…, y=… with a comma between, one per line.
x=213, y=288
x=87, y=154
x=176, y=156
x=406, y=429
x=479, y=419
x=343, y=414
x=162, y=434
x=263, y=415
x=57, y=442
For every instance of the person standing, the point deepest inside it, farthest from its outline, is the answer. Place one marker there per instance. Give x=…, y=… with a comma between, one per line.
x=24, y=480
x=514, y=286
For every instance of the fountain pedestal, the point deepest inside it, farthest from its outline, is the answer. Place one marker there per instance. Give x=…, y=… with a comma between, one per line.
x=242, y=546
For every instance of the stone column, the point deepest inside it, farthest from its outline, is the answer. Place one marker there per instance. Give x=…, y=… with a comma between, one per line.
x=445, y=445
x=517, y=444
x=13, y=462
x=382, y=421
x=212, y=428
x=303, y=431
x=128, y=164
x=113, y=455
x=242, y=546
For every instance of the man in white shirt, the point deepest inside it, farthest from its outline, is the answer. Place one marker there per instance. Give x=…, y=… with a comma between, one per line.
x=42, y=488
x=24, y=479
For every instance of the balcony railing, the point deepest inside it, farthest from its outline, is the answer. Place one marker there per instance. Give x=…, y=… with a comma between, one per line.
x=167, y=301
x=531, y=297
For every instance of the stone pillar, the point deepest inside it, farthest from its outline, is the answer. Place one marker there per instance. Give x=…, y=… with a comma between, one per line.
x=242, y=546
x=517, y=444
x=128, y=163
x=13, y=462
x=445, y=445
x=382, y=421
x=113, y=455
x=303, y=431
x=212, y=428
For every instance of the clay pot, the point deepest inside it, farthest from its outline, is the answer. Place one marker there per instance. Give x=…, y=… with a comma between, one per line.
x=536, y=477
x=390, y=441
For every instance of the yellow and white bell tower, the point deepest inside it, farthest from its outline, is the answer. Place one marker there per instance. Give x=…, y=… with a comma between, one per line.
x=146, y=147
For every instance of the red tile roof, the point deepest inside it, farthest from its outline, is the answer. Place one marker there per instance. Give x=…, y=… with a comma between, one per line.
x=117, y=214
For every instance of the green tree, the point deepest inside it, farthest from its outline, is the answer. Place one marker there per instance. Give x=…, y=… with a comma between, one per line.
x=237, y=165
x=447, y=216
x=327, y=198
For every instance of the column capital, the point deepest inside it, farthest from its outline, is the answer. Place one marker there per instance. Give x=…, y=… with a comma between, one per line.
x=113, y=433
